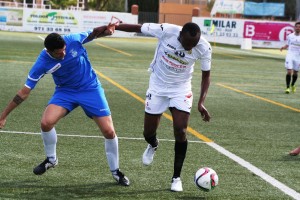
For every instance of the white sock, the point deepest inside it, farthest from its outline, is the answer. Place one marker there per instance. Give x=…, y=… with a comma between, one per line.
x=112, y=153
x=50, y=140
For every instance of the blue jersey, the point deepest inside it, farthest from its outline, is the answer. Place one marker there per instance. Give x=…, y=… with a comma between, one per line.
x=72, y=72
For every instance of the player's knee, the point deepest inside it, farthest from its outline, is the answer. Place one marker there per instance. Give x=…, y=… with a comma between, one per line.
x=46, y=126
x=180, y=134
x=109, y=133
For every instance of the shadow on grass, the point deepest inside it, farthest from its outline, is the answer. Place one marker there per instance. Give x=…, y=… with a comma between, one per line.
x=110, y=190
x=288, y=157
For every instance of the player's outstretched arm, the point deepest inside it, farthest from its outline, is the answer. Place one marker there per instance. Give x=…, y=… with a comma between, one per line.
x=100, y=31
x=17, y=100
x=204, y=89
x=129, y=27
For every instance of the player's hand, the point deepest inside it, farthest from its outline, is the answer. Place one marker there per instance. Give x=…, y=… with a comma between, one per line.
x=111, y=28
x=204, y=113
x=103, y=31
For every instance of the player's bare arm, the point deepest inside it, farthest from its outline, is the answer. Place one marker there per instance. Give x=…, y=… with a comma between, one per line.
x=129, y=27
x=204, y=88
x=100, y=31
x=15, y=102
x=284, y=47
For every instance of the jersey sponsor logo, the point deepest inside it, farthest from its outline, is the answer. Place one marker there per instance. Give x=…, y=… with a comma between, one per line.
x=172, y=66
x=176, y=58
x=53, y=69
x=171, y=46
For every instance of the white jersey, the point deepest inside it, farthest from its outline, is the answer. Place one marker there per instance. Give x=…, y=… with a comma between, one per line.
x=172, y=64
x=294, y=44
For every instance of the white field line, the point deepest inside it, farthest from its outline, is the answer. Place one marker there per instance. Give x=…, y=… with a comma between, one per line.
x=285, y=189
x=41, y=37
x=260, y=54
x=256, y=171
x=93, y=136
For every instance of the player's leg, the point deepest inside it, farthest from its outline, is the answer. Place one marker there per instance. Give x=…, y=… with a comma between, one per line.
x=296, y=63
x=180, y=122
x=180, y=107
x=106, y=127
x=151, y=123
x=288, y=78
x=52, y=114
x=96, y=107
x=294, y=79
x=155, y=105
x=289, y=72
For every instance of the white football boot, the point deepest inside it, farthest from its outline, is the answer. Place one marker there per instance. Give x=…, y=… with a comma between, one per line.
x=176, y=185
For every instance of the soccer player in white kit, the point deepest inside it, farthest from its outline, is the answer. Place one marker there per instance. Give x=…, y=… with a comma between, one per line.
x=171, y=70
x=292, y=60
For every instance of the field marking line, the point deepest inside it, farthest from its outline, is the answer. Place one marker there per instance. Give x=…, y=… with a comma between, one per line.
x=93, y=136
x=285, y=189
x=289, y=191
x=258, y=97
x=220, y=149
x=41, y=37
x=229, y=55
x=113, y=49
x=189, y=129
x=249, y=52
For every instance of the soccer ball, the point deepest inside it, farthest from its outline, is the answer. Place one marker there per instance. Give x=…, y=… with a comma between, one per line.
x=206, y=179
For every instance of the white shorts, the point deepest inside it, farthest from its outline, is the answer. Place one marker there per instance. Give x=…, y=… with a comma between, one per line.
x=160, y=97
x=292, y=62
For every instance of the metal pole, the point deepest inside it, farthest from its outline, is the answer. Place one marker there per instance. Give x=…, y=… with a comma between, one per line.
x=297, y=17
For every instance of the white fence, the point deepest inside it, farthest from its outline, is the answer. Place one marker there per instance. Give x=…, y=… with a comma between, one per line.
x=60, y=21
x=267, y=34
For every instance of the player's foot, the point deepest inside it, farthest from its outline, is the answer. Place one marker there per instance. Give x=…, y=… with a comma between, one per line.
x=293, y=88
x=288, y=90
x=120, y=178
x=295, y=152
x=149, y=154
x=176, y=185
x=44, y=166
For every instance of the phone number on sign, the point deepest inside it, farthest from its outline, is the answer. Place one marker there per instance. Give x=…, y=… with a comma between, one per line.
x=51, y=29
x=226, y=34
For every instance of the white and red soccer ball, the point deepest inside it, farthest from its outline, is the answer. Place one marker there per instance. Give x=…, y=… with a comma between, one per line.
x=206, y=179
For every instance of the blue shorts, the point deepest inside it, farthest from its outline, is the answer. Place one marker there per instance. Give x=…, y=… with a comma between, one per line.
x=92, y=101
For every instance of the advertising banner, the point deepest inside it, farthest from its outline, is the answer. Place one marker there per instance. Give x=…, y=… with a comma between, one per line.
x=228, y=6
x=11, y=19
x=47, y=21
x=264, y=9
x=267, y=31
x=221, y=30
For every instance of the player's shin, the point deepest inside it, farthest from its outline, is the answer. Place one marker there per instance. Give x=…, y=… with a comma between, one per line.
x=50, y=140
x=180, y=152
x=112, y=153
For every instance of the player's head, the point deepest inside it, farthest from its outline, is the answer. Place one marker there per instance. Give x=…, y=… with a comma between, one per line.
x=55, y=45
x=189, y=35
x=297, y=27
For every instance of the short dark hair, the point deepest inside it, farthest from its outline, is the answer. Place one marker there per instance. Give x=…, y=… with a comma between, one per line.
x=192, y=28
x=54, y=41
x=297, y=23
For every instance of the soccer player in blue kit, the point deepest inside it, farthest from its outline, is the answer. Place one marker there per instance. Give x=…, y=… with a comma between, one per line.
x=76, y=85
